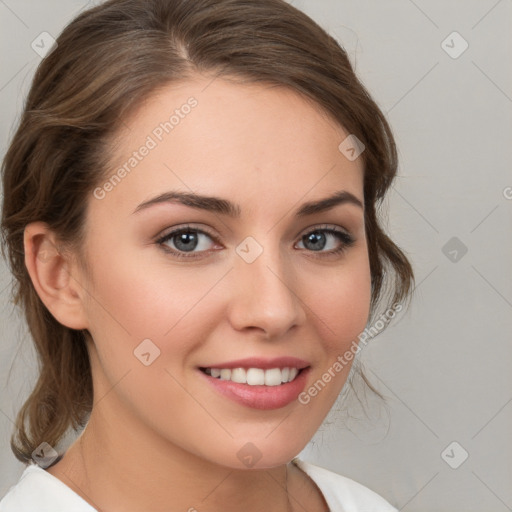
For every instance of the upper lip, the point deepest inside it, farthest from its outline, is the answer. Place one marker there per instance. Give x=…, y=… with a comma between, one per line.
x=263, y=363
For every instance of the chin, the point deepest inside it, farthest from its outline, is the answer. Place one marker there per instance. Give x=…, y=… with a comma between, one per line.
x=261, y=453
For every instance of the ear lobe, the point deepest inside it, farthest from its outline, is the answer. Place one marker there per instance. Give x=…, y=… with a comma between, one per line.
x=54, y=277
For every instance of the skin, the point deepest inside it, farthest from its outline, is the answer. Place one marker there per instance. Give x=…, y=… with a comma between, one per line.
x=158, y=434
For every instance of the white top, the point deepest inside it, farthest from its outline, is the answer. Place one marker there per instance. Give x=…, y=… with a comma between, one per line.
x=39, y=491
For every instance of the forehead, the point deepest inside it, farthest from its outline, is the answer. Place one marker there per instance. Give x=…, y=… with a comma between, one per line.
x=230, y=139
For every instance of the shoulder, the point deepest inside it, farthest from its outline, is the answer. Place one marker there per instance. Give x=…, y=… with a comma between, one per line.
x=39, y=491
x=342, y=493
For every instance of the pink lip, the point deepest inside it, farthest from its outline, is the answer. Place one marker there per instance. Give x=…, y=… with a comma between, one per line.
x=260, y=362
x=260, y=397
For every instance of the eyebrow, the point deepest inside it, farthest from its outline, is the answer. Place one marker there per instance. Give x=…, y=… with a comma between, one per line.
x=226, y=207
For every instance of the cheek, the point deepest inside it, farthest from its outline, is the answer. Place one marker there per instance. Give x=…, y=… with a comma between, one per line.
x=132, y=302
x=340, y=308
x=143, y=299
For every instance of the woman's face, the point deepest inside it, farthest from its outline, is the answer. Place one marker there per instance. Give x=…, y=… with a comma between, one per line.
x=176, y=287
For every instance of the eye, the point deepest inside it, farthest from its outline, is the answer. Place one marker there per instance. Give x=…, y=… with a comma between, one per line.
x=335, y=240
x=186, y=240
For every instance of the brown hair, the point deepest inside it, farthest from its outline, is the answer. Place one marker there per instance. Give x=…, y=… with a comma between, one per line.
x=106, y=62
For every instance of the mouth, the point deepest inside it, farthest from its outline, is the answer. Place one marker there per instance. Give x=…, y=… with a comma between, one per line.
x=257, y=388
x=255, y=376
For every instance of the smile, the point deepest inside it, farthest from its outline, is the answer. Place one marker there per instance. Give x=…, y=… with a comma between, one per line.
x=254, y=376
x=284, y=385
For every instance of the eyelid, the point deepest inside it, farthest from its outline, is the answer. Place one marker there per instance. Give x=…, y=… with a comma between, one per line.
x=185, y=227
x=320, y=227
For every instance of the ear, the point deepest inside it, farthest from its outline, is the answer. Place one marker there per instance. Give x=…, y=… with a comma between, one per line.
x=54, y=277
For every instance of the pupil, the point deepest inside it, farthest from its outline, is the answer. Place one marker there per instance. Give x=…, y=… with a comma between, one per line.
x=186, y=241
x=315, y=238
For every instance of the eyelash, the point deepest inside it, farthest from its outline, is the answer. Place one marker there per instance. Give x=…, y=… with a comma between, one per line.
x=346, y=239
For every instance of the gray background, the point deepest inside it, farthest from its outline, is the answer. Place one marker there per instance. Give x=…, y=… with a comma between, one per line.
x=444, y=365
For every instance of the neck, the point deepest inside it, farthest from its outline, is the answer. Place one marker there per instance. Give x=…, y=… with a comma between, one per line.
x=129, y=469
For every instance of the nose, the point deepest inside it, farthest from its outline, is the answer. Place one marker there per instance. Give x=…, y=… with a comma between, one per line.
x=264, y=298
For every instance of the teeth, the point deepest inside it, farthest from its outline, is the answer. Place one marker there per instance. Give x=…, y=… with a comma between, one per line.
x=255, y=376
x=225, y=374
x=238, y=375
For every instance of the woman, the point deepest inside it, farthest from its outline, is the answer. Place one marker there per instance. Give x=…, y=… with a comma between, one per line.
x=190, y=213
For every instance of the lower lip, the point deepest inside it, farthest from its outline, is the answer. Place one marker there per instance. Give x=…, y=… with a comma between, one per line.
x=260, y=397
